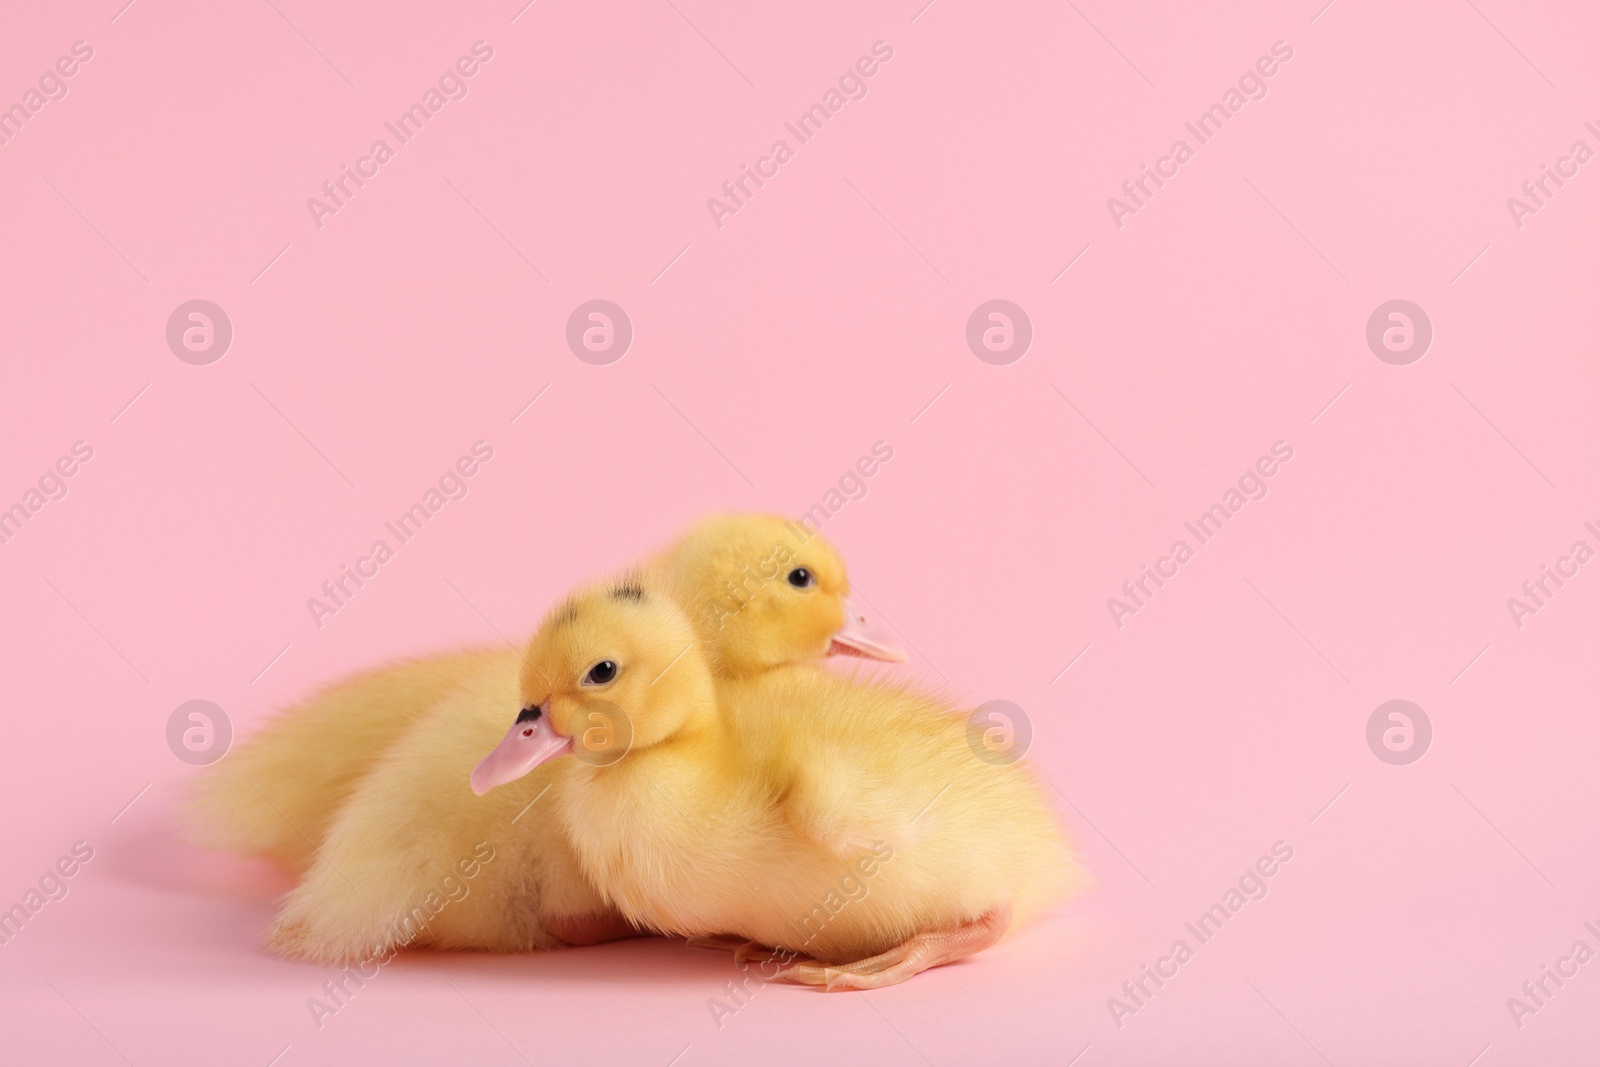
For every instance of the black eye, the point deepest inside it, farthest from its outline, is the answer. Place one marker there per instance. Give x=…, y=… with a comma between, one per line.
x=801, y=578
x=600, y=673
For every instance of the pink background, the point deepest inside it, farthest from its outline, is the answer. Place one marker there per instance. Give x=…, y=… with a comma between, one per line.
x=768, y=355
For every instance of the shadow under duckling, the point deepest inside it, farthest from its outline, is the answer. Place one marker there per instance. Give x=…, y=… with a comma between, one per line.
x=393, y=868
x=743, y=807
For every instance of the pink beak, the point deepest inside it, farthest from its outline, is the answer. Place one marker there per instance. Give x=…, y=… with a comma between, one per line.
x=858, y=637
x=530, y=742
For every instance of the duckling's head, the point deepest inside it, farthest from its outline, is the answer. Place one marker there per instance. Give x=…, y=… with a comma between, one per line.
x=616, y=667
x=766, y=592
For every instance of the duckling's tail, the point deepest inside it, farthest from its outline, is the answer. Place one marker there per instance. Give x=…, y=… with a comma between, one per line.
x=1049, y=870
x=1055, y=876
x=277, y=794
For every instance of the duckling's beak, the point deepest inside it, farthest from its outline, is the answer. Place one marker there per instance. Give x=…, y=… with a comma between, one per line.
x=859, y=637
x=530, y=742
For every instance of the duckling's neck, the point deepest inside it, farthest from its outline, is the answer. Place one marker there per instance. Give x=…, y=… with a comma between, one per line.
x=705, y=737
x=703, y=748
x=624, y=818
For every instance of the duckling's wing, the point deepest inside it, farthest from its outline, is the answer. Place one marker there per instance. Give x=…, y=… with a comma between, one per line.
x=845, y=756
x=836, y=801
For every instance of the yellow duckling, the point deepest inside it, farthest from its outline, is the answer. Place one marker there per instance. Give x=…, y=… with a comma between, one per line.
x=845, y=824
x=277, y=794
x=394, y=867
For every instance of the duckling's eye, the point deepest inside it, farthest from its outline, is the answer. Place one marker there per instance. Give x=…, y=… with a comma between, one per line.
x=600, y=673
x=801, y=578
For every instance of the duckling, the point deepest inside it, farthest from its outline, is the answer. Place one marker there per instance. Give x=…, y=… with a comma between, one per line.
x=729, y=572
x=844, y=824
x=278, y=794
x=762, y=600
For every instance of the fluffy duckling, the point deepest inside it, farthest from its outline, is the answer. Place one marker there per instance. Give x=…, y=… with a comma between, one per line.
x=729, y=573
x=392, y=870
x=845, y=824
x=277, y=794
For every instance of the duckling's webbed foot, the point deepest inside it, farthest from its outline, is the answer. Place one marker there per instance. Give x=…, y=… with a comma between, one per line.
x=901, y=962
